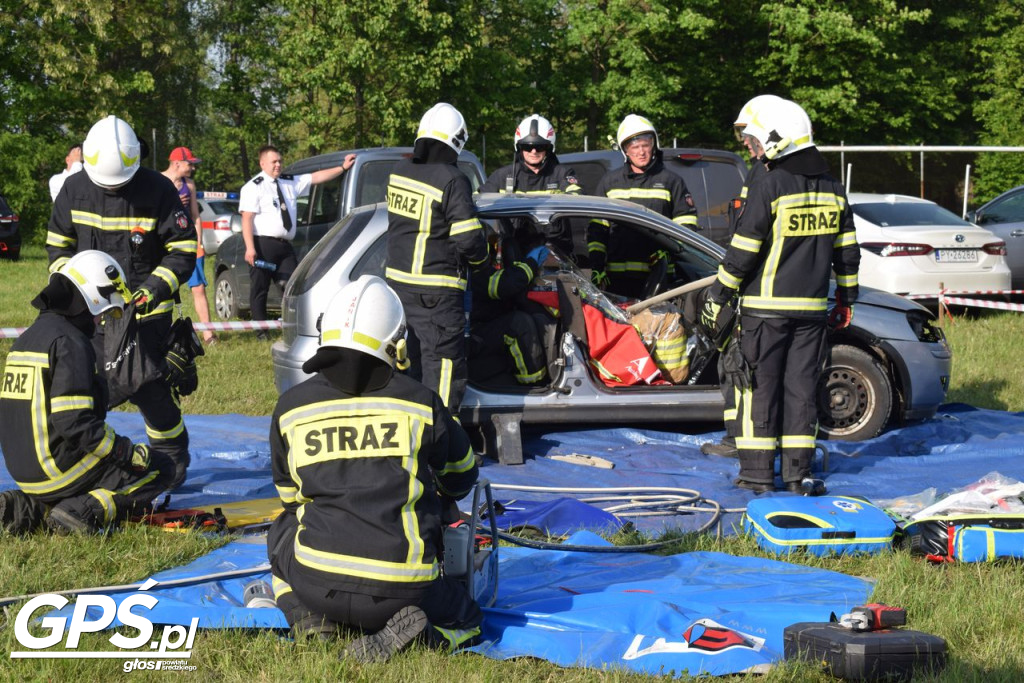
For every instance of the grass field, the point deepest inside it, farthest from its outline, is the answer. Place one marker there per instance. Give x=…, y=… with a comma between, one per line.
x=976, y=608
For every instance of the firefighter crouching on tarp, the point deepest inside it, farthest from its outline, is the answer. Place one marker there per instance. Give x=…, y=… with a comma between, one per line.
x=56, y=444
x=796, y=228
x=132, y=213
x=365, y=457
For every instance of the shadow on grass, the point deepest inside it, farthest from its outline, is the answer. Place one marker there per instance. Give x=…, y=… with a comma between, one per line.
x=981, y=394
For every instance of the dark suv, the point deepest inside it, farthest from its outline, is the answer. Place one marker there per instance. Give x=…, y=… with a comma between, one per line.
x=714, y=178
x=10, y=238
x=327, y=203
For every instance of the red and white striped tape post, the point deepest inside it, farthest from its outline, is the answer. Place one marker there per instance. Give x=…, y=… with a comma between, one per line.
x=946, y=297
x=234, y=326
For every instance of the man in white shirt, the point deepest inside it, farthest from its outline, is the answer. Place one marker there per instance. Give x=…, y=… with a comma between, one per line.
x=267, y=205
x=72, y=164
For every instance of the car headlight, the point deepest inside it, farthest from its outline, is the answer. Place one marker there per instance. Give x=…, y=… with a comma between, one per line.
x=924, y=327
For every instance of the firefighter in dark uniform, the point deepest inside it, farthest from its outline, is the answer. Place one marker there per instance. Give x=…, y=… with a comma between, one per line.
x=727, y=447
x=56, y=444
x=535, y=170
x=133, y=214
x=621, y=260
x=504, y=337
x=364, y=460
x=434, y=237
x=796, y=228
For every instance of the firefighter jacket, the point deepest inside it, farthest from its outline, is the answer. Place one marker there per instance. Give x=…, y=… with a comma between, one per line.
x=553, y=178
x=795, y=229
x=656, y=188
x=54, y=404
x=495, y=291
x=433, y=231
x=141, y=224
x=362, y=473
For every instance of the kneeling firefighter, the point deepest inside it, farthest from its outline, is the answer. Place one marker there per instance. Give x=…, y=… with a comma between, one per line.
x=73, y=472
x=366, y=458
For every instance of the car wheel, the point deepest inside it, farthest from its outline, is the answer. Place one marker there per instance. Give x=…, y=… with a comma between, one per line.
x=854, y=395
x=225, y=298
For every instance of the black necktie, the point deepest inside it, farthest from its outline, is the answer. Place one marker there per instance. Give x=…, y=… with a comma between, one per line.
x=286, y=217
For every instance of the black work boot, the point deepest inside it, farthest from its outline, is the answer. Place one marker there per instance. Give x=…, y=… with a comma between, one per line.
x=754, y=486
x=398, y=633
x=807, y=487
x=65, y=522
x=726, y=448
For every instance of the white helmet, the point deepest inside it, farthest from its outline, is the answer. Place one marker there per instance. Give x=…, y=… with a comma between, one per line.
x=782, y=128
x=98, y=277
x=749, y=109
x=444, y=122
x=111, y=153
x=632, y=126
x=534, y=130
x=367, y=316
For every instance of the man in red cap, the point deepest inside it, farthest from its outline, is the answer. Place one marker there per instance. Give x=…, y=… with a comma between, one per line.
x=182, y=163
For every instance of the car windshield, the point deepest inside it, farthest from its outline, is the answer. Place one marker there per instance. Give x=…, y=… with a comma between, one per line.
x=907, y=214
x=225, y=206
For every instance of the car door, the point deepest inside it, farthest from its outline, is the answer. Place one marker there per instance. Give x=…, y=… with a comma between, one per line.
x=1005, y=218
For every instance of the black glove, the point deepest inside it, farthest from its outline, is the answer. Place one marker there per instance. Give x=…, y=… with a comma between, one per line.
x=735, y=366
x=181, y=370
x=128, y=456
x=144, y=301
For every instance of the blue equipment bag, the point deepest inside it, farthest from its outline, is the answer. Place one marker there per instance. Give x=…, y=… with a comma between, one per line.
x=819, y=525
x=967, y=538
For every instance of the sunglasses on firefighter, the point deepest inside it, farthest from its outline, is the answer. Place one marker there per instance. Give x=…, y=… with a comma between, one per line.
x=533, y=148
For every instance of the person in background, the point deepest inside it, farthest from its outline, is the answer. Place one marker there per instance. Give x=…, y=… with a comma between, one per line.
x=433, y=239
x=622, y=261
x=73, y=472
x=182, y=164
x=534, y=170
x=133, y=214
x=72, y=164
x=267, y=205
x=369, y=460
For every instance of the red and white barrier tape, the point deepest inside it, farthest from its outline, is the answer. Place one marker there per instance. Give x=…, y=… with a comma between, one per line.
x=945, y=293
x=982, y=303
x=235, y=326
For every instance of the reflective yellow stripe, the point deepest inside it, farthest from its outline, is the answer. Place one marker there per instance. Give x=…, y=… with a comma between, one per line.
x=113, y=223
x=106, y=501
x=352, y=565
x=56, y=239
x=464, y=227
x=628, y=267
x=135, y=486
x=286, y=493
x=186, y=246
x=168, y=276
x=728, y=279
x=58, y=480
x=173, y=432
x=279, y=586
x=57, y=263
x=640, y=193
x=745, y=243
x=601, y=222
x=797, y=441
x=424, y=280
x=816, y=541
x=62, y=403
x=687, y=219
x=444, y=380
x=846, y=239
x=597, y=247
x=756, y=443
x=846, y=280
x=786, y=303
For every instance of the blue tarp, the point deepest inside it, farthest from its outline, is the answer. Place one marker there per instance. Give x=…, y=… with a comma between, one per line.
x=231, y=460
x=698, y=612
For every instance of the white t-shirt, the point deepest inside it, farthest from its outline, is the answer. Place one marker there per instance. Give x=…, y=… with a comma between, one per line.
x=57, y=181
x=260, y=197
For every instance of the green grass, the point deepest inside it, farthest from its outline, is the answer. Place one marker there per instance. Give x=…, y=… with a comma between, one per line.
x=976, y=608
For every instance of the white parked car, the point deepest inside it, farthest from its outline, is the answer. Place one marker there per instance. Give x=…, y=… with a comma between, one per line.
x=914, y=246
x=219, y=213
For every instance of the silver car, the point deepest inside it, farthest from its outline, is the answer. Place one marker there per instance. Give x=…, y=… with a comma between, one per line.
x=218, y=212
x=1004, y=217
x=892, y=364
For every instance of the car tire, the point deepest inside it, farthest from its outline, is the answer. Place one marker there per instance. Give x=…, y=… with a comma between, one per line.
x=225, y=298
x=855, y=395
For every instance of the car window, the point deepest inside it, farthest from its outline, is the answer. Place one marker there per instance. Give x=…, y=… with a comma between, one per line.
x=1010, y=210
x=220, y=207
x=324, y=202
x=302, y=209
x=373, y=259
x=373, y=181
x=907, y=214
x=588, y=173
x=470, y=170
x=327, y=251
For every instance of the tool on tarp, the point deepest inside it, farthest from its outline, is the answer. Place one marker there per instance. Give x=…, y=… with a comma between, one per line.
x=472, y=558
x=873, y=617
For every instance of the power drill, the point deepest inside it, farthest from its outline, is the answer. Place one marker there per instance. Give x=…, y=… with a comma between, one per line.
x=874, y=617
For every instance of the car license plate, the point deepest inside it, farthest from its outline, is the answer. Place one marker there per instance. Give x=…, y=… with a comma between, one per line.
x=956, y=255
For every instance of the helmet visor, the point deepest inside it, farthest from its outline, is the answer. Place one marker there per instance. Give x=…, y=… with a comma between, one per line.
x=645, y=140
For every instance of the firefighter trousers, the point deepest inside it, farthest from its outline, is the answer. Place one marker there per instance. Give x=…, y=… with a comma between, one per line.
x=436, y=321
x=780, y=410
